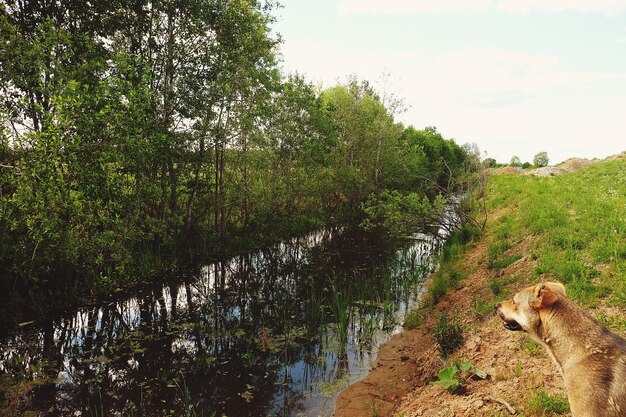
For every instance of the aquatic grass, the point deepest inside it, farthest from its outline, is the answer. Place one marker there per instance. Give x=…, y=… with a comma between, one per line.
x=96, y=406
x=342, y=311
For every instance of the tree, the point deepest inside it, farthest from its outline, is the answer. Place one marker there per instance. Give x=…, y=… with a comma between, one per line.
x=541, y=159
x=489, y=163
x=515, y=162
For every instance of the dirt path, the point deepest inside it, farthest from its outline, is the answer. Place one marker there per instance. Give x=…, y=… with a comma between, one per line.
x=398, y=382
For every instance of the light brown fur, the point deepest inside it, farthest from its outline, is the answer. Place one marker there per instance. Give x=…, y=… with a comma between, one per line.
x=591, y=359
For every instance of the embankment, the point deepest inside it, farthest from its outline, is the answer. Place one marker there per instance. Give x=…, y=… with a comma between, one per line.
x=570, y=228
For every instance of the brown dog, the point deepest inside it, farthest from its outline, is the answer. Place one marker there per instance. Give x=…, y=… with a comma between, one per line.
x=591, y=359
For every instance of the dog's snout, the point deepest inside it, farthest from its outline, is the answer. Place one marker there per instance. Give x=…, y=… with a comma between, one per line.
x=497, y=306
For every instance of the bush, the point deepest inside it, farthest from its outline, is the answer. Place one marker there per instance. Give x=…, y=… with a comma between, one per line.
x=448, y=334
x=413, y=319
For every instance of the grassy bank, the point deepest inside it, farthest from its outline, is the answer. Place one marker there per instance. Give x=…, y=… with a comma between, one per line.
x=575, y=227
x=569, y=228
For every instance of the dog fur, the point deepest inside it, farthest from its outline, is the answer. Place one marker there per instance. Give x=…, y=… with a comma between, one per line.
x=591, y=359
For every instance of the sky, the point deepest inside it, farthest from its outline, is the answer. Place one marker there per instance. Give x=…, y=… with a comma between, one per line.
x=515, y=77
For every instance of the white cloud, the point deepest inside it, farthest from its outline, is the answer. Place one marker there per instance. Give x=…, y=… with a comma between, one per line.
x=609, y=7
x=509, y=103
x=490, y=77
x=413, y=6
x=515, y=103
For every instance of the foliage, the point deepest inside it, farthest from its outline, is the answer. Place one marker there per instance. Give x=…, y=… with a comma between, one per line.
x=489, y=163
x=515, y=162
x=448, y=334
x=396, y=213
x=541, y=159
x=134, y=135
x=453, y=377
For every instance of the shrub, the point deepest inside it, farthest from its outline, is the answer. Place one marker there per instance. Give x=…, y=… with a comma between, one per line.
x=448, y=334
x=413, y=319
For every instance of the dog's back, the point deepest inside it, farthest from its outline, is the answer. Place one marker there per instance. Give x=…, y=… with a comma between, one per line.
x=591, y=359
x=594, y=366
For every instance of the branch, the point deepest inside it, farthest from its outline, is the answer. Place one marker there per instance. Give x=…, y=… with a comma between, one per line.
x=501, y=401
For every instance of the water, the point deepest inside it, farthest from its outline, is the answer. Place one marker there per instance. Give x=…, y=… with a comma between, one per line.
x=276, y=332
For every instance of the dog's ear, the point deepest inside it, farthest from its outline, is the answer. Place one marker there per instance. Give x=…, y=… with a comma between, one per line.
x=556, y=287
x=546, y=295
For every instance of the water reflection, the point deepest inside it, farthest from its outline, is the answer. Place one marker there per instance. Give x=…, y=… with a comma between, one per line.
x=273, y=332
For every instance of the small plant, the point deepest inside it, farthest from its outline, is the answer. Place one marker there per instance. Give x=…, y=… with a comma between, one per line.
x=504, y=262
x=496, y=286
x=438, y=288
x=545, y=404
x=453, y=377
x=481, y=307
x=374, y=408
x=518, y=369
x=448, y=334
x=530, y=346
x=413, y=319
x=455, y=276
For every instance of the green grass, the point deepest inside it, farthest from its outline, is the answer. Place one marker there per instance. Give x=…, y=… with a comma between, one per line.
x=543, y=404
x=578, y=224
x=530, y=346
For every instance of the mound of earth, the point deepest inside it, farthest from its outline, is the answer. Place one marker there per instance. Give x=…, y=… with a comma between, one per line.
x=504, y=171
x=569, y=165
x=574, y=164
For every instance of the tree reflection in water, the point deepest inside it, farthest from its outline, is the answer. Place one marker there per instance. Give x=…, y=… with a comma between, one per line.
x=258, y=334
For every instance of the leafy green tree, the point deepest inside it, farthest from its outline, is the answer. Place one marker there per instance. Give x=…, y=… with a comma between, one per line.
x=541, y=159
x=515, y=162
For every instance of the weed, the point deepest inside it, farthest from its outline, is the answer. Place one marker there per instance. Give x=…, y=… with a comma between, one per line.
x=611, y=322
x=448, y=334
x=438, y=287
x=455, y=276
x=542, y=404
x=453, y=377
x=496, y=286
x=413, y=319
x=497, y=248
x=482, y=308
x=374, y=408
x=504, y=262
x=530, y=346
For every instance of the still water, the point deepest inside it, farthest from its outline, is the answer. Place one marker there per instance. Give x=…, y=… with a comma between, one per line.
x=277, y=332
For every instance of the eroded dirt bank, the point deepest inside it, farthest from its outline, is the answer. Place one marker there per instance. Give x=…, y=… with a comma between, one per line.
x=398, y=384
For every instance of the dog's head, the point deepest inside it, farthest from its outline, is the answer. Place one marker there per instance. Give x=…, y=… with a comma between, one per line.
x=523, y=311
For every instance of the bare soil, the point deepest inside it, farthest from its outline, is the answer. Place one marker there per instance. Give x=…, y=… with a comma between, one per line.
x=398, y=384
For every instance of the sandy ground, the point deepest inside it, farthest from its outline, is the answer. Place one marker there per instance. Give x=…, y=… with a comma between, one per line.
x=398, y=384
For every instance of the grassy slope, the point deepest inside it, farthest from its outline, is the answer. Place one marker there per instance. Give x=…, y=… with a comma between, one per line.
x=578, y=226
